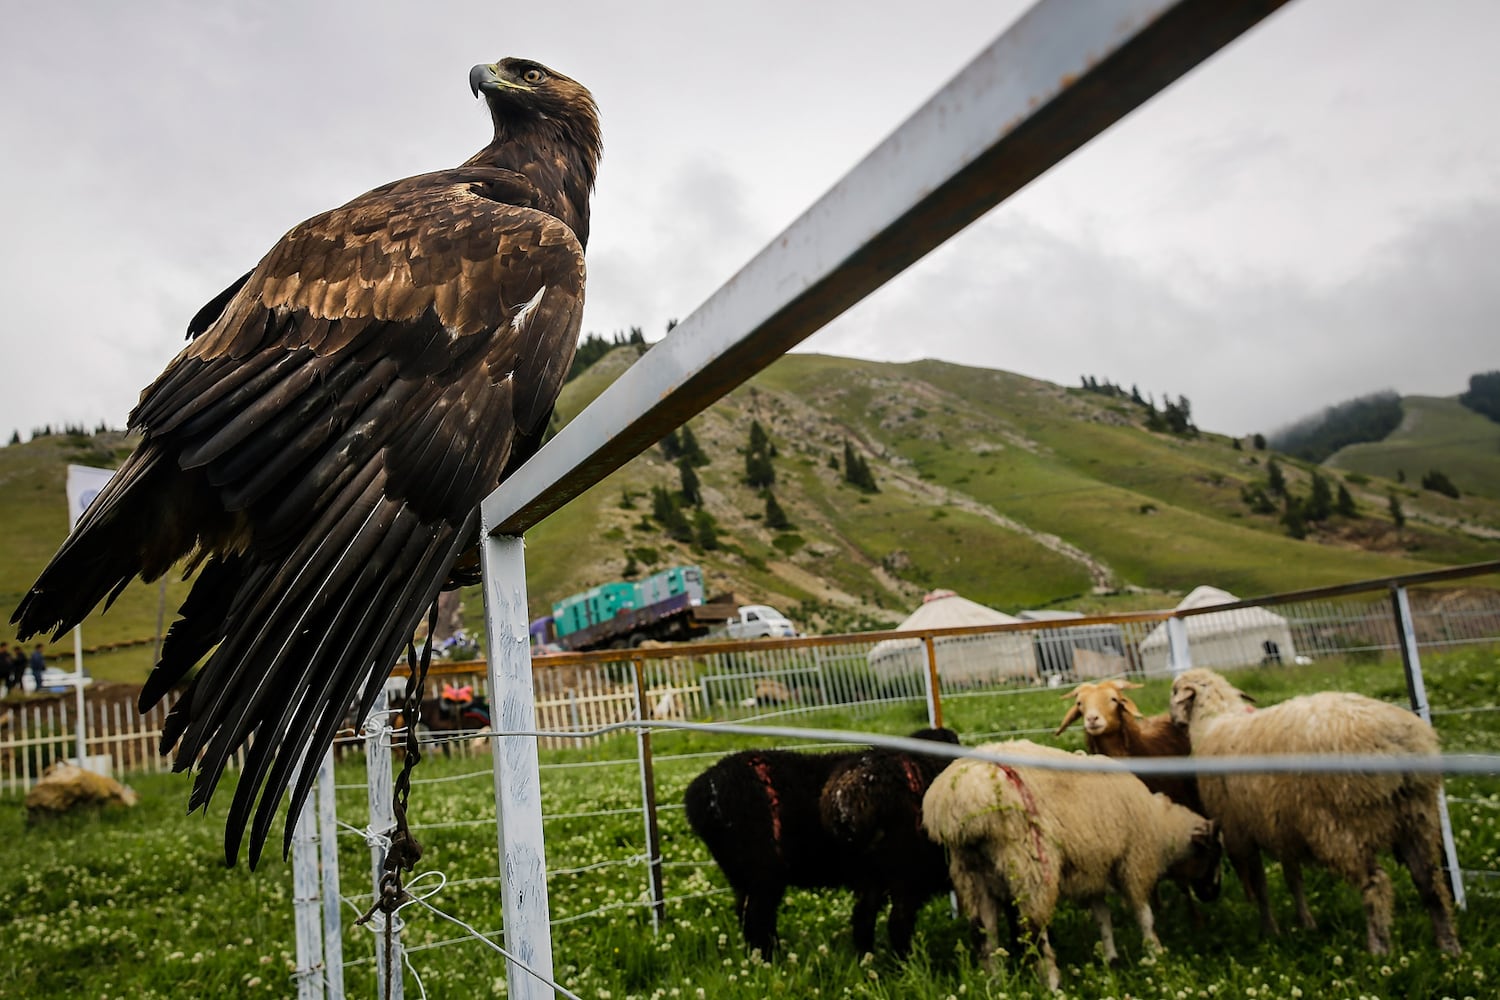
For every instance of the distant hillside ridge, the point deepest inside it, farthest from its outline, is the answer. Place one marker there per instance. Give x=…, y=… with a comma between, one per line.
x=1437, y=434
x=1014, y=492
x=1483, y=395
x=1355, y=421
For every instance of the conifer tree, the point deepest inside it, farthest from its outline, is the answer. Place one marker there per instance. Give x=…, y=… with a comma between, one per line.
x=668, y=513
x=758, y=469
x=691, y=449
x=776, y=518
x=1275, y=479
x=705, y=532
x=857, y=470
x=1319, y=505
x=1296, y=524
x=1345, y=503
x=692, y=493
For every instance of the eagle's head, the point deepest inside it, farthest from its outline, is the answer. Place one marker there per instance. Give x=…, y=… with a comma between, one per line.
x=524, y=95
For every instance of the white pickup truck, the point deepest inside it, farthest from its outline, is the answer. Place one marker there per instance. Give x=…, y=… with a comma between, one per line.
x=756, y=621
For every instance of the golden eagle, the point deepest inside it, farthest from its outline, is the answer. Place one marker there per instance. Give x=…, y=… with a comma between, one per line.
x=319, y=449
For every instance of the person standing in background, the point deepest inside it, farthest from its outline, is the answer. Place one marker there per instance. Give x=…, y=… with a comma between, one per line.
x=38, y=665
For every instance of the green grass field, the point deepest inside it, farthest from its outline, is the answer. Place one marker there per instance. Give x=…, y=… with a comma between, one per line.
x=137, y=904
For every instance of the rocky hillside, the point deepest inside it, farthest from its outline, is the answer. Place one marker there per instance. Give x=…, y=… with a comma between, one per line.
x=1014, y=492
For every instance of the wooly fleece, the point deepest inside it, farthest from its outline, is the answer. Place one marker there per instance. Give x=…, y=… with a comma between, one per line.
x=1341, y=821
x=872, y=805
x=1033, y=836
x=759, y=813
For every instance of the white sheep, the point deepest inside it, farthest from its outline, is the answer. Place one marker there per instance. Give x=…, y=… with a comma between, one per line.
x=1028, y=836
x=1339, y=820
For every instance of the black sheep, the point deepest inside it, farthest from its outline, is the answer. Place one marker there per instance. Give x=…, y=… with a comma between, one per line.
x=759, y=813
x=872, y=806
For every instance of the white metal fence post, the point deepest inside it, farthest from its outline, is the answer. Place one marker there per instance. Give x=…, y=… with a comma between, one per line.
x=382, y=822
x=333, y=925
x=648, y=800
x=1416, y=690
x=307, y=904
x=1179, y=654
x=930, y=684
x=518, y=793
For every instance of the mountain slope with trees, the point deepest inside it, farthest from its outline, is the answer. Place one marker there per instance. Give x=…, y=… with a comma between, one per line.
x=841, y=491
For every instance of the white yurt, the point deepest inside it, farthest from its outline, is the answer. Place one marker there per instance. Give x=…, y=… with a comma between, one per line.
x=1241, y=638
x=963, y=661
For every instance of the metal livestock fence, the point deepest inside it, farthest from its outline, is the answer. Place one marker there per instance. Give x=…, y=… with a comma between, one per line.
x=736, y=681
x=754, y=687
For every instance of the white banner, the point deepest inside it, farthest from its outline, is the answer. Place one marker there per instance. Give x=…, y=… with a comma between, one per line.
x=84, y=483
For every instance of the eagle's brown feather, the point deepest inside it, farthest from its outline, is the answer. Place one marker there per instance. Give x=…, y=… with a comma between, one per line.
x=321, y=445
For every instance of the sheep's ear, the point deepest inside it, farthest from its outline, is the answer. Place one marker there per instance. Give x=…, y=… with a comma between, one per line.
x=1077, y=691
x=1207, y=831
x=1127, y=685
x=1073, y=715
x=1182, y=701
x=1130, y=706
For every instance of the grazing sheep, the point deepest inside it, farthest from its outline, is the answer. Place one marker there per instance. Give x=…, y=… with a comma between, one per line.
x=1031, y=836
x=1114, y=726
x=1340, y=821
x=758, y=812
x=872, y=806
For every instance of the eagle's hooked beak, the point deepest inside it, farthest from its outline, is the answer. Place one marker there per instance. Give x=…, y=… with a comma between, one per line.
x=486, y=76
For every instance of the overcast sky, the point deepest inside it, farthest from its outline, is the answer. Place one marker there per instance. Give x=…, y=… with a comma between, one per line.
x=1311, y=215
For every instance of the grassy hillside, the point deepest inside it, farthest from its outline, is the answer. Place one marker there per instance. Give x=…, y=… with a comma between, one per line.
x=1437, y=433
x=1014, y=492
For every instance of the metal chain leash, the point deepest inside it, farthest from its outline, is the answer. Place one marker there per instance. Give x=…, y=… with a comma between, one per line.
x=404, y=850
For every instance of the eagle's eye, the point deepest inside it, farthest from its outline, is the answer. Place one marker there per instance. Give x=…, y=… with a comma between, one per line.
x=533, y=75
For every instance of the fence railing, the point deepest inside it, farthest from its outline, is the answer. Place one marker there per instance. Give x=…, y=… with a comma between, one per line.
x=729, y=684
x=728, y=681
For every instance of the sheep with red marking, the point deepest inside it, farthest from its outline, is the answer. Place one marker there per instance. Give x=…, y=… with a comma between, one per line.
x=760, y=814
x=1340, y=821
x=1115, y=727
x=872, y=806
x=1029, y=836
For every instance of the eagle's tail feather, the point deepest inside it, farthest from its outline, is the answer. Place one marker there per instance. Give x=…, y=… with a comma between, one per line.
x=198, y=628
x=120, y=536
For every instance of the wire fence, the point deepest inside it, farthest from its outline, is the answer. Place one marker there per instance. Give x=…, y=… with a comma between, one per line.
x=629, y=853
x=858, y=673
